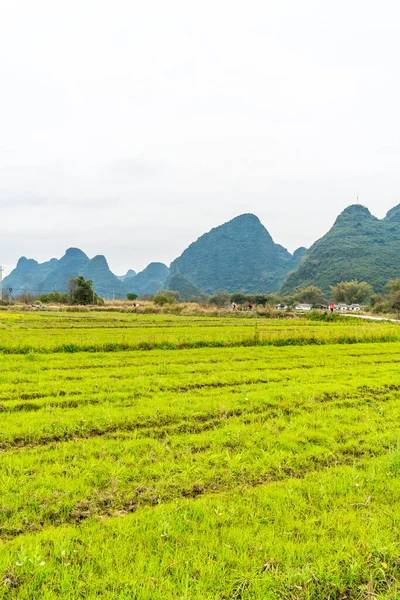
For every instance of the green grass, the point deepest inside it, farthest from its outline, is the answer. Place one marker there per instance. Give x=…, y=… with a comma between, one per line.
x=226, y=471
x=113, y=332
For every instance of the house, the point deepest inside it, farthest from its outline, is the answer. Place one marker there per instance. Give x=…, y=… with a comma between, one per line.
x=347, y=307
x=341, y=307
x=303, y=306
x=354, y=307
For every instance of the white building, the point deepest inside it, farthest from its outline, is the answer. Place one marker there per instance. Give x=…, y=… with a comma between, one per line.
x=348, y=307
x=303, y=306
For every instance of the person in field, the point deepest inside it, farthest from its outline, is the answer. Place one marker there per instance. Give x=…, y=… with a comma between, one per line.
x=250, y=305
x=331, y=306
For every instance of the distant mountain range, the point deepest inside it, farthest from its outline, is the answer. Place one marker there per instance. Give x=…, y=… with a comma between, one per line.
x=38, y=278
x=239, y=255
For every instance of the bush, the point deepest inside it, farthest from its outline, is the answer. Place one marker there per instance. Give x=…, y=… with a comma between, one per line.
x=131, y=296
x=264, y=299
x=166, y=297
x=54, y=297
x=238, y=298
x=394, y=302
x=221, y=299
x=381, y=308
x=317, y=315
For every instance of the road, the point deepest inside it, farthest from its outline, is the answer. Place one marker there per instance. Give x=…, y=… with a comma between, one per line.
x=373, y=318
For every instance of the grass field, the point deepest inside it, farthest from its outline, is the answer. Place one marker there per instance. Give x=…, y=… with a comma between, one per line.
x=157, y=456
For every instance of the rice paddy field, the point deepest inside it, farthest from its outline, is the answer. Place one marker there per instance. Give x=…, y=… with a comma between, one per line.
x=151, y=457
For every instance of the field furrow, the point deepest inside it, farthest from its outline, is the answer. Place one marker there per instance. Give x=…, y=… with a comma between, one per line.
x=260, y=460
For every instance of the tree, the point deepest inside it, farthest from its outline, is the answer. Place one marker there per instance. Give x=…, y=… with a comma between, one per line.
x=166, y=297
x=288, y=301
x=80, y=291
x=264, y=299
x=393, y=300
x=352, y=292
x=377, y=299
x=131, y=296
x=221, y=299
x=257, y=299
x=392, y=286
x=239, y=298
x=311, y=295
x=56, y=297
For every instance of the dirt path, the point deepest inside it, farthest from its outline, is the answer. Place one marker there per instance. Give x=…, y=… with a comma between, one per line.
x=373, y=318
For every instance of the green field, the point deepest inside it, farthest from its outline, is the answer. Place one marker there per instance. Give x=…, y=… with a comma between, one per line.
x=158, y=456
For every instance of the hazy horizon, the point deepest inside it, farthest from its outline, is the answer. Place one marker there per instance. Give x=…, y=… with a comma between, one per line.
x=130, y=130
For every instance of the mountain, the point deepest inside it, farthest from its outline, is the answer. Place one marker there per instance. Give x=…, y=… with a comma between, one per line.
x=28, y=275
x=299, y=253
x=185, y=288
x=36, y=278
x=105, y=283
x=129, y=273
x=358, y=246
x=237, y=256
x=149, y=281
x=70, y=265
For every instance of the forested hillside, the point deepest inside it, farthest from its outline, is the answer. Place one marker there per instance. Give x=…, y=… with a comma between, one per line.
x=237, y=256
x=358, y=246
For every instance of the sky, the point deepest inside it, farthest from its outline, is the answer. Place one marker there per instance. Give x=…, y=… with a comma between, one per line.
x=130, y=128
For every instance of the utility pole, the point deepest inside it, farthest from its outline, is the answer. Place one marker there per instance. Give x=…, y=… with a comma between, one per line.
x=1, y=282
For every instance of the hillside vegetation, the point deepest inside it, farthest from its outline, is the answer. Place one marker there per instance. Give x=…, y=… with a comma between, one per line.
x=358, y=246
x=237, y=256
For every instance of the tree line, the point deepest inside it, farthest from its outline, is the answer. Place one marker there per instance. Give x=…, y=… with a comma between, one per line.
x=345, y=292
x=80, y=291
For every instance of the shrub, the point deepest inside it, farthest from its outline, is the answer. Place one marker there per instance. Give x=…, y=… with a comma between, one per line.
x=381, y=308
x=238, y=298
x=394, y=302
x=56, y=297
x=221, y=299
x=166, y=297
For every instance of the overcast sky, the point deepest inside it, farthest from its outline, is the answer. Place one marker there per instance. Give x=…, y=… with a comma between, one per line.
x=129, y=128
